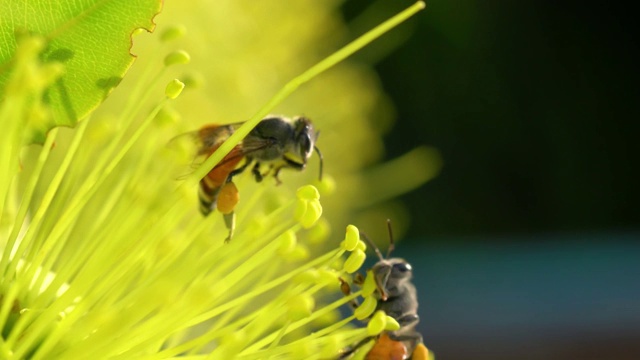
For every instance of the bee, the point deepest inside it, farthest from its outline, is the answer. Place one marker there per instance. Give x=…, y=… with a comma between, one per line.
x=276, y=141
x=397, y=297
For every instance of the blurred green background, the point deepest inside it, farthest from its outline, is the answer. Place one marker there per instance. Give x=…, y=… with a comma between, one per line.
x=532, y=105
x=530, y=233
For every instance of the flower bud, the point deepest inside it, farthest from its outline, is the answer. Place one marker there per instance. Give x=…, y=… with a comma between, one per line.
x=392, y=324
x=177, y=57
x=367, y=308
x=308, y=192
x=287, y=242
x=173, y=32
x=354, y=261
x=351, y=238
x=377, y=323
x=173, y=89
x=369, y=285
x=307, y=212
x=300, y=306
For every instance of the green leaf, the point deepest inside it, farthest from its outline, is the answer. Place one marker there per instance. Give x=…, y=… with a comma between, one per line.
x=91, y=38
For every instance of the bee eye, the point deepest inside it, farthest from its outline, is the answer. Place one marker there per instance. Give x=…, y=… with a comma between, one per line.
x=305, y=145
x=402, y=267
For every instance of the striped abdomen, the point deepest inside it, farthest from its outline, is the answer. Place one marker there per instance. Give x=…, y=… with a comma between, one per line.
x=211, y=184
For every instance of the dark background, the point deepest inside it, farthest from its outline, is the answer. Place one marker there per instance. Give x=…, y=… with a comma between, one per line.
x=530, y=232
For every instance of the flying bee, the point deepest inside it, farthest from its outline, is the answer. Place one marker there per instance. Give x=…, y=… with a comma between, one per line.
x=276, y=141
x=397, y=297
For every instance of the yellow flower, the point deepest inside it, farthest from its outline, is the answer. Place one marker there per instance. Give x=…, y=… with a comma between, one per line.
x=104, y=253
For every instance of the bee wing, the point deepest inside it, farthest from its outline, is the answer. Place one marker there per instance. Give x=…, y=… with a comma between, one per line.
x=196, y=145
x=206, y=140
x=213, y=136
x=252, y=144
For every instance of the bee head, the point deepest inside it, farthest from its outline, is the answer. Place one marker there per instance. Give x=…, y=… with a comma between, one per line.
x=400, y=270
x=390, y=275
x=305, y=140
x=305, y=137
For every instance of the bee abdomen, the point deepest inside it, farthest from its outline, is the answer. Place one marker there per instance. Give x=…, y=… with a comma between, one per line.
x=207, y=196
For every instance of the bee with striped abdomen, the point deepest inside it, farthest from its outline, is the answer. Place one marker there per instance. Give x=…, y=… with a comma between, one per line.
x=397, y=297
x=276, y=141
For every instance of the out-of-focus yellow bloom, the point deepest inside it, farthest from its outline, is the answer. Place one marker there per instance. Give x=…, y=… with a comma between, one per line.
x=243, y=52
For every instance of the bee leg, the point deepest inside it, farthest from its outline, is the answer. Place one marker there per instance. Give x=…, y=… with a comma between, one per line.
x=346, y=290
x=230, y=222
x=240, y=169
x=408, y=320
x=256, y=172
x=295, y=165
x=413, y=336
x=276, y=174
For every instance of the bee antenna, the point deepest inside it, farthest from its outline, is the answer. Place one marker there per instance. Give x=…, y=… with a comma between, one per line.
x=375, y=248
x=321, y=161
x=392, y=245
